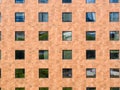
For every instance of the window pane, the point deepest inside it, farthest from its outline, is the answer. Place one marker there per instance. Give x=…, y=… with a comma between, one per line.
x=114, y=16
x=43, y=35
x=114, y=88
x=43, y=88
x=67, y=88
x=90, y=54
x=67, y=17
x=90, y=17
x=43, y=1
x=19, y=54
x=0, y=17
x=19, y=73
x=19, y=88
x=114, y=1
x=0, y=35
x=91, y=88
x=90, y=35
x=43, y=17
x=19, y=1
x=67, y=36
x=67, y=54
x=19, y=17
x=0, y=72
x=19, y=36
x=90, y=72
x=114, y=73
x=90, y=1
x=114, y=54
x=43, y=54
x=43, y=73
x=67, y=73
x=66, y=1
x=114, y=35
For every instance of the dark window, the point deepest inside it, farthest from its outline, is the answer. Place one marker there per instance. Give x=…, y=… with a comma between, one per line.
x=114, y=73
x=114, y=16
x=91, y=73
x=19, y=36
x=0, y=55
x=66, y=35
x=90, y=1
x=67, y=88
x=43, y=54
x=90, y=88
x=19, y=88
x=0, y=35
x=67, y=54
x=19, y=54
x=114, y=54
x=43, y=1
x=90, y=54
x=19, y=1
x=67, y=73
x=115, y=88
x=90, y=35
x=43, y=73
x=0, y=17
x=114, y=35
x=43, y=17
x=43, y=35
x=114, y=1
x=19, y=17
x=0, y=72
x=66, y=1
x=90, y=17
x=19, y=73
x=66, y=17
x=43, y=88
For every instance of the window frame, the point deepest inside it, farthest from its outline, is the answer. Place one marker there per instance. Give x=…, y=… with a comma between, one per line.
x=19, y=18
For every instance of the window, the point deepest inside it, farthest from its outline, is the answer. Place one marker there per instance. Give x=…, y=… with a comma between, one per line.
x=115, y=88
x=66, y=1
x=114, y=54
x=67, y=54
x=114, y=16
x=0, y=55
x=90, y=54
x=114, y=1
x=43, y=17
x=66, y=35
x=0, y=17
x=19, y=88
x=90, y=1
x=43, y=35
x=90, y=17
x=43, y=54
x=90, y=35
x=19, y=54
x=114, y=73
x=0, y=72
x=43, y=1
x=66, y=17
x=67, y=73
x=91, y=73
x=67, y=88
x=90, y=88
x=0, y=35
x=19, y=1
x=19, y=17
x=43, y=73
x=43, y=88
x=19, y=36
x=114, y=35
x=19, y=73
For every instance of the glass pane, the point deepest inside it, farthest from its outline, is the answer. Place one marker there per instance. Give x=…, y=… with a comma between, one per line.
x=114, y=1
x=114, y=35
x=19, y=54
x=19, y=73
x=90, y=1
x=19, y=88
x=90, y=54
x=19, y=1
x=114, y=73
x=19, y=17
x=67, y=36
x=43, y=17
x=67, y=17
x=90, y=35
x=43, y=73
x=90, y=17
x=66, y=1
x=114, y=17
x=67, y=88
x=43, y=54
x=91, y=73
x=67, y=54
x=43, y=1
x=19, y=36
x=114, y=88
x=43, y=35
x=114, y=54
x=91, y=88
x=43, y=88
x=67, y=73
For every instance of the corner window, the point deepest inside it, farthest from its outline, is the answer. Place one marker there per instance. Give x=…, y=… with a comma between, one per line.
x=114, y=16
x=19, y=54
x=43, y=73
x=114, y=54
x=90, y=17
x=91, y=73
x=90, y=54
x=67, y=88
x=114, y=35
x=115, y=88
x=43, y=88
x=66, y=1
x=19, y=17
x=19, y=73
x=19, y=1
x=19, y=36
x=66, y=17
x=90, y=1
x=67, y=36
x=43, y=1
x=43, y=35
x=43, y=17
x=90, y=35
x=67, y=54
x=43, y=54
x=67, y=73
x=114, y=73
x=114, y=1
x=20, y=88
x=90, y=88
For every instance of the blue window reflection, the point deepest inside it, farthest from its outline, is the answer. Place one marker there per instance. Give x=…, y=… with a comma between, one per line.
x=114, y=16
x=19, y=17
x=114, y=1
x=43, y=17
x=19, y=1
x=43, y=1
x=90, y=17
x=90, y=1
